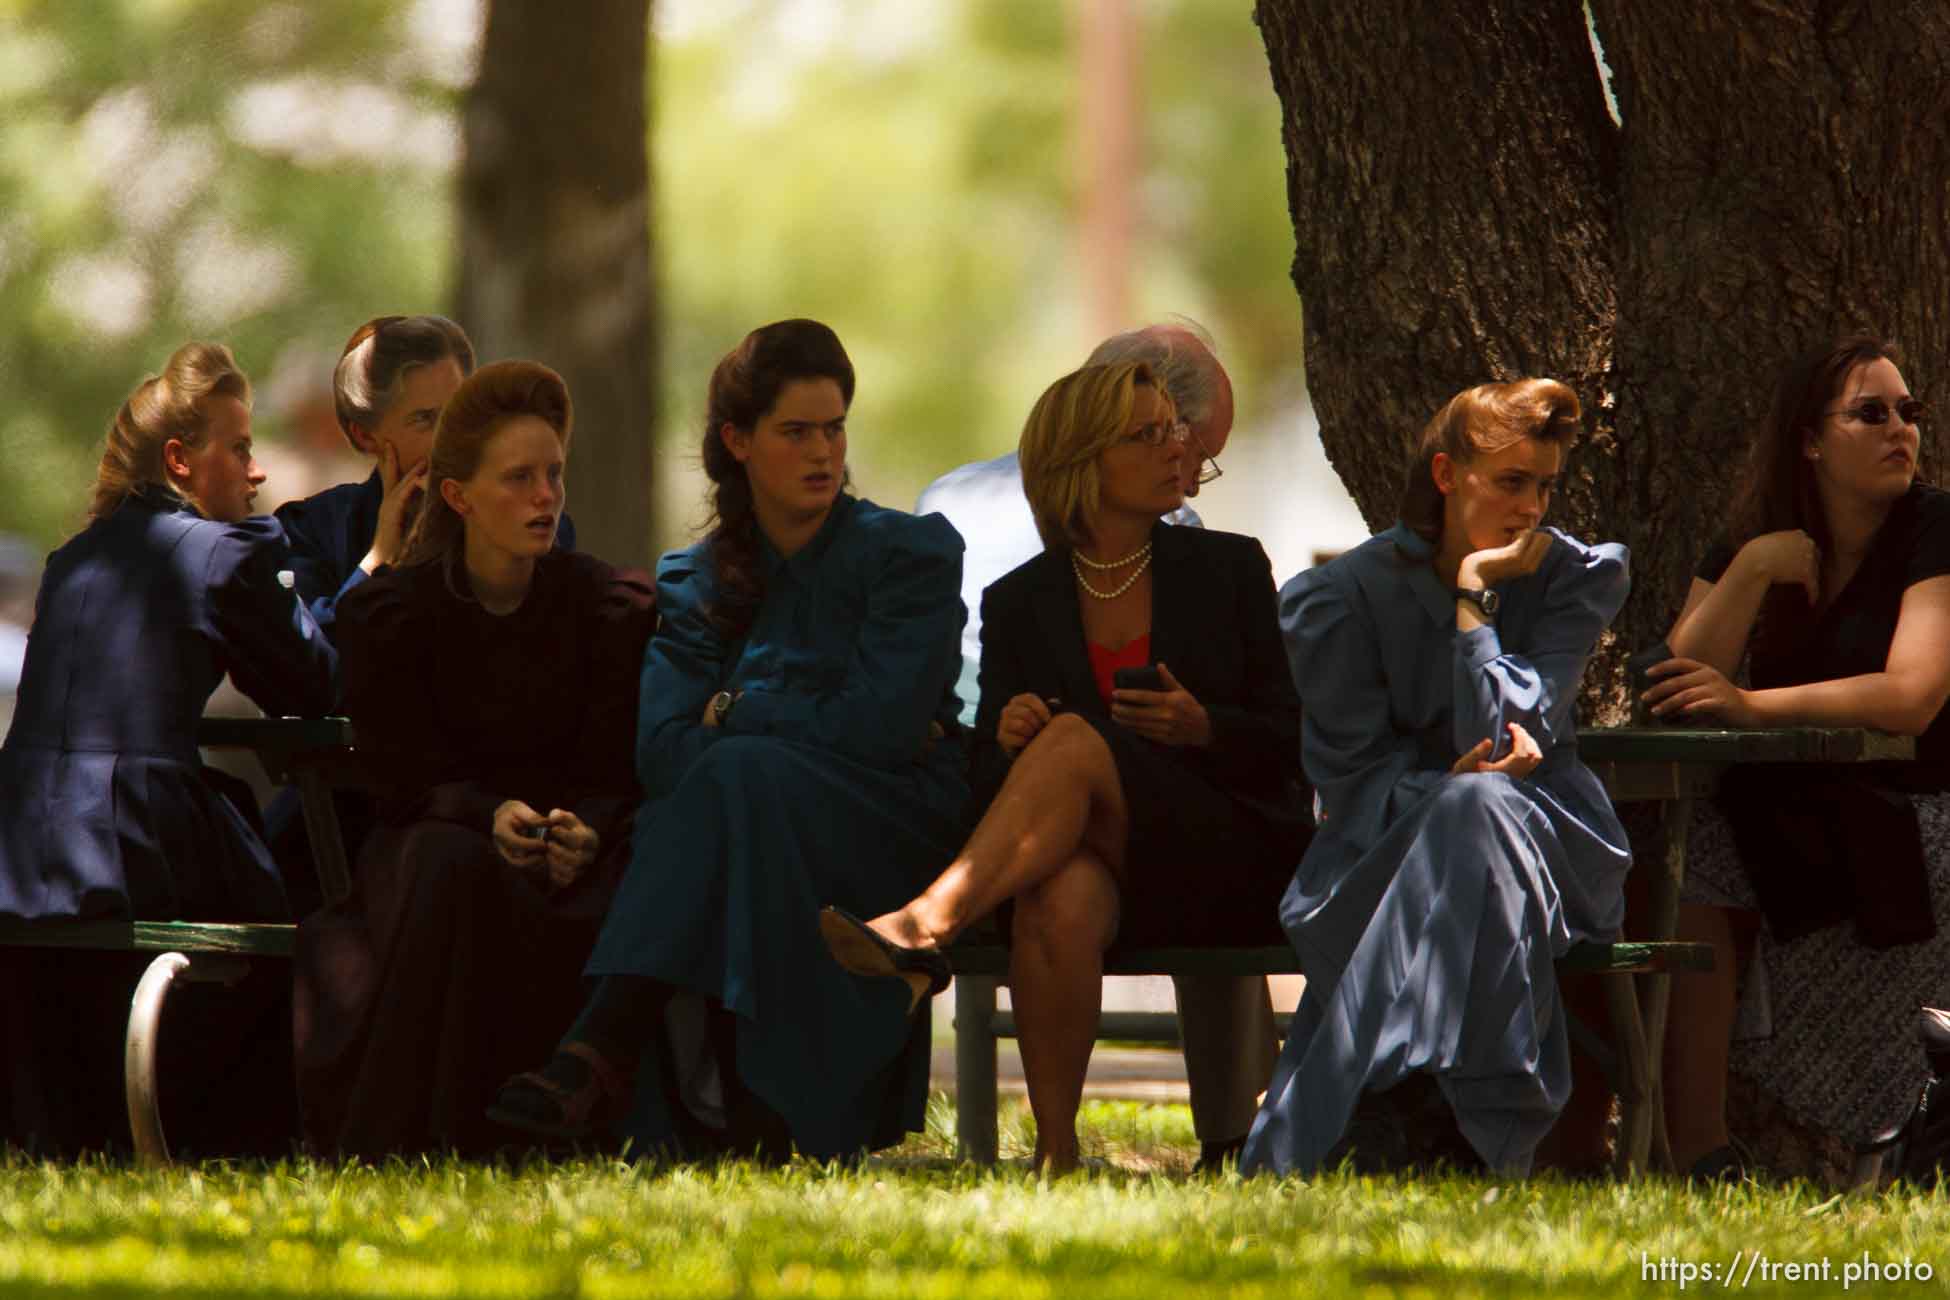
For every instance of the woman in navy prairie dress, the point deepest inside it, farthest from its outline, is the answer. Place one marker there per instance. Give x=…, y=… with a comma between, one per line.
x=106, y=809
x=1462, y=846
x=795, y=746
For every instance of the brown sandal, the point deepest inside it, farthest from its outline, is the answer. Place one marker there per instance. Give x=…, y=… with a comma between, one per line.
x=537, y=1104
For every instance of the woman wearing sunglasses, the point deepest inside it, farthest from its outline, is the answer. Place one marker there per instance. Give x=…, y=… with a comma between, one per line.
x=1162, y=807
x=1833, y=588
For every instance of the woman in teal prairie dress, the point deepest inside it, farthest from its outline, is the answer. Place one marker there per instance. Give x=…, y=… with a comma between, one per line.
x=795, y=746
x=1462, y=845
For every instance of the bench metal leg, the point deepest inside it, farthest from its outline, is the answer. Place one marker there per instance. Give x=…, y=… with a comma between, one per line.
x=1635, y=1085
x=139, y=1044
x=322, y=828
x=1666, y=885
x=975, y=1087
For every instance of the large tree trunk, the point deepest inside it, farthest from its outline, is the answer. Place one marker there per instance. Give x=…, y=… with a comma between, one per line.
x=1465, y=209
x=555, y=239
x=1785, y=173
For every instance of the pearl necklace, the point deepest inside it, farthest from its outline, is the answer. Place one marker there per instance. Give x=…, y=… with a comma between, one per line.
x=1120, y=588
x=1102, y=566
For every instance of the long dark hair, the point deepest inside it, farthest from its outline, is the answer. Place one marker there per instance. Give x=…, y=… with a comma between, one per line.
x=744, y=388
x=1778, y=491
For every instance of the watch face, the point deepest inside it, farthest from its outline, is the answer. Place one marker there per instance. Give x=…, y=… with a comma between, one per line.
x=1489, y=600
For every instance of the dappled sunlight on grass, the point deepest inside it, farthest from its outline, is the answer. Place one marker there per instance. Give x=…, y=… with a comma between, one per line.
x=912, y=1222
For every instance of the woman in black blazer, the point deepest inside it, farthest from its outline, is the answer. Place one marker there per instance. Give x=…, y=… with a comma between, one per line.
x=1115, y=814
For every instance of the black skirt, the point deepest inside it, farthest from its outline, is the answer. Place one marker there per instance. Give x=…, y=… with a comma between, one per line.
x=1202, y=867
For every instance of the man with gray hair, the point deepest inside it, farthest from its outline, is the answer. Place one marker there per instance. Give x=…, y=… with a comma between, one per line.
x=1226, y=1022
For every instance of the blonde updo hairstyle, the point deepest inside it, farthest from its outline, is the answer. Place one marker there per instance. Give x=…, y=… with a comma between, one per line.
x=485, y=401
x=173, y=404
x=1079, y=418
x=1482, y=421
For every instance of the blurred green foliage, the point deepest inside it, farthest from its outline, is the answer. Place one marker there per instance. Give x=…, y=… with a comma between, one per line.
x=919, y=192
x=272, y=174
x=155, y=186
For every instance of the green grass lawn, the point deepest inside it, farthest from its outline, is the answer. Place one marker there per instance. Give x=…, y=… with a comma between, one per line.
x=915, y=1224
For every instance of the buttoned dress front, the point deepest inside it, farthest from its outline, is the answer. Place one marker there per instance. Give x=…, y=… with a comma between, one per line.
x=1430, y=907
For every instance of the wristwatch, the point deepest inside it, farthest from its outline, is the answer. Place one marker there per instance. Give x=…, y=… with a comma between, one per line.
x=1482, y=597
x=721, y=706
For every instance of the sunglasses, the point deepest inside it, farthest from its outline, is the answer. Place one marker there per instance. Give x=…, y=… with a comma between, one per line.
x=1876, y=411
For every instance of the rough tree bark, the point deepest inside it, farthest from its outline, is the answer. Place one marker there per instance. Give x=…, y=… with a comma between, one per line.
x=1465, y=208
x=555, y=239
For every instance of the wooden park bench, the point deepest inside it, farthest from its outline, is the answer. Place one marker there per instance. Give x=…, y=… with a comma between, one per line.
x=312, y=753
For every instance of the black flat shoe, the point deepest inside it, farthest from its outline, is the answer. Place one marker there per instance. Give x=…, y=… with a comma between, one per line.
x=860, y=949
x=571, y=1100
x=1213, y=1157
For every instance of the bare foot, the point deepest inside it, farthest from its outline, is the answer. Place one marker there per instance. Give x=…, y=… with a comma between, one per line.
x=901, y=928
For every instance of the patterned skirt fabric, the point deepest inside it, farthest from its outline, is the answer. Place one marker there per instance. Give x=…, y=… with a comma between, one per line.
x=1826, y=1027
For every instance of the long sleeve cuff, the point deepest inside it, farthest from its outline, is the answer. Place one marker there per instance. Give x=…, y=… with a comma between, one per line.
x=1479, y=646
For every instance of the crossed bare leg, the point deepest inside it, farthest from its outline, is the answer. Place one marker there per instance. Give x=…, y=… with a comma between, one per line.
x=1054, y=841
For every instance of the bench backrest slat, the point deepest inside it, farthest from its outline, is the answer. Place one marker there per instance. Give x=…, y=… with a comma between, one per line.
x=152, y=936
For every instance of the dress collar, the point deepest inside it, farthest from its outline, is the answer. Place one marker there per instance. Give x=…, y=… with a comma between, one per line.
x=807, y=557
x=1417, y=557
x=164, y=500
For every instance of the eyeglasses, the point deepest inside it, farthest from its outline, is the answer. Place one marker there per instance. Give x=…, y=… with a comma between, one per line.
x=1208, y=469
x=1876, y=411
x=1158, y=433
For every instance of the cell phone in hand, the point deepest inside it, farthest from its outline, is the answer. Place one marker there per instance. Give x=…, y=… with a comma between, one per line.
x=1147, y=678
x=539, y=831
x=1636, y=670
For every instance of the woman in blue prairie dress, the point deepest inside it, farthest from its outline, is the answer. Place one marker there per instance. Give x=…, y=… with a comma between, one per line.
x=795, y=745
x=1462, y=846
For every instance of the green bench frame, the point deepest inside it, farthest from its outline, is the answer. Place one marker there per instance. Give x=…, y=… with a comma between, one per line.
x=981, y=968
x=1673, y=766
x=314, y=754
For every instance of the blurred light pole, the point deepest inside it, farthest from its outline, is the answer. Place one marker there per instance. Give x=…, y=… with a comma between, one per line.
x=1107, y=47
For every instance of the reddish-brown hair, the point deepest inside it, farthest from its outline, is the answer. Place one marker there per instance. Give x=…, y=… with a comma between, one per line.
x=1482, y=421
x=486, y=400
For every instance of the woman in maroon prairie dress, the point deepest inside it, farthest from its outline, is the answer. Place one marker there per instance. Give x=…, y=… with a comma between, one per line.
x=493, y=682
